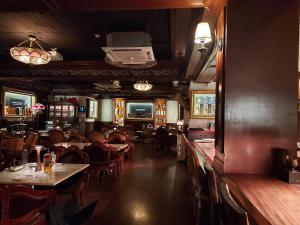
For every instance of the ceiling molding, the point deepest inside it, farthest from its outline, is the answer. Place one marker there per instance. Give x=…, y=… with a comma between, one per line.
x=96, y=5
x=89, y=74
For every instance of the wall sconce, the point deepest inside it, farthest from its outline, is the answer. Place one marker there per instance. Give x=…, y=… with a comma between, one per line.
x=202, y=35
x=180, y=124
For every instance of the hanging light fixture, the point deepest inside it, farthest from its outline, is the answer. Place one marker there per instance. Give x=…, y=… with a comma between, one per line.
x=142, y=85
x=34, y=54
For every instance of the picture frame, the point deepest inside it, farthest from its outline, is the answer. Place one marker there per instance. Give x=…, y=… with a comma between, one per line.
x=203, y=104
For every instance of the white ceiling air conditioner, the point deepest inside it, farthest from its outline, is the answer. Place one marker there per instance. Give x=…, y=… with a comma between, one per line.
x=129, y=50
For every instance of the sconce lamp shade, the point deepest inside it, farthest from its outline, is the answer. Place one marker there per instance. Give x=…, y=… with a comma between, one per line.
x=203, y=35
x=180, y=123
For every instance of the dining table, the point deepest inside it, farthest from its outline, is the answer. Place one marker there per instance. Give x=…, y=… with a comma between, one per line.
x=28, y=176
x=68, y=144
x=118, y=147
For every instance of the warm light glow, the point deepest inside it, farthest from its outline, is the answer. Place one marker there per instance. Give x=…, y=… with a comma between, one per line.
x=203, y=34
x=180, y=122
x=142, y=86
x=29, y=54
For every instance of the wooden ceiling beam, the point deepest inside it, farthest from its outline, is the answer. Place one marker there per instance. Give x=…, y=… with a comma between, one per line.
x=77, y=65
x=102, y=5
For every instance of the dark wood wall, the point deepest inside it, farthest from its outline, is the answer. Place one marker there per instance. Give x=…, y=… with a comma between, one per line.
x=260, y=97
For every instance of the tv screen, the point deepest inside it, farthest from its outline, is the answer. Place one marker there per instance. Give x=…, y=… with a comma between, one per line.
x=81, y=109
x=141, y=110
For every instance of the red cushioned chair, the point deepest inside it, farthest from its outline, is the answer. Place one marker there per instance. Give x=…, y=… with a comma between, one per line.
x=103, y=160
x=21, y=205
x=76, y=184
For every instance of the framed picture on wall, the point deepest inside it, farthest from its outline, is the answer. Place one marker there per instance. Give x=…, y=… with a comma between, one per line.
x=203, y=104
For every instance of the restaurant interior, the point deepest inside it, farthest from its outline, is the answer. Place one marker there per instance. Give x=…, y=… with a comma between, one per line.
x=149, y=112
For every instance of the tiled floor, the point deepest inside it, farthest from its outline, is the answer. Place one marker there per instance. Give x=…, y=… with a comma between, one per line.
x=151, y=190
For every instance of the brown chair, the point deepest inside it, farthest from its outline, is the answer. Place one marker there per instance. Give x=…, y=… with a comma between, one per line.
x=103, y=160
x=118, y=137
x=96, y=137
x=73, y=132
x=6, y=157
x=233, y=214
x=76, y=184
x=56, y=136
x=148, y=137
x=23, y=206
x=31, y=140
x=75, y=139
x=15, y=145
x=161, y=138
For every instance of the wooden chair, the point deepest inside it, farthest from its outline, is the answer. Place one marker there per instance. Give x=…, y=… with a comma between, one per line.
x=73, y=132
x=6, y=157
x=74, y=139
x=56, y=136
x=96, y=137
x=118, y=137
x=15, y=145
x=103, y=161
x=161, y=138
x=31, y=140
x=23, y=206
x=76, y=184
x=233, y=214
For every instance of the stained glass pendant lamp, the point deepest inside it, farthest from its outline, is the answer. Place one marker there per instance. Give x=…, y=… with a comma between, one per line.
x=30, y=52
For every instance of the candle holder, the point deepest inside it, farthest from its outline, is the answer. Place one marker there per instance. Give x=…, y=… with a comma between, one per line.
x=38, y=166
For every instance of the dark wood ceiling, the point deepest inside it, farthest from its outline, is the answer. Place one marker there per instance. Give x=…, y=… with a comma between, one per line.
x=71, y=26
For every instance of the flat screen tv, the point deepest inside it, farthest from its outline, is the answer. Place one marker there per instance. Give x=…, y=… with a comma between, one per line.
x=139, y=110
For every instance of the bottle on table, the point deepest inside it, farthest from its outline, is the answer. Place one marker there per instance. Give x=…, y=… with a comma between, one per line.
x=48, y=162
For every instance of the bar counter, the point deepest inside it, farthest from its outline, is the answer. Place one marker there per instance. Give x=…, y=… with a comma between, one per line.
x=268, y=200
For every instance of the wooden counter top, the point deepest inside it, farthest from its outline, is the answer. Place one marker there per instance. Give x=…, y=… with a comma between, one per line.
x=206, y=149
x=267, y=199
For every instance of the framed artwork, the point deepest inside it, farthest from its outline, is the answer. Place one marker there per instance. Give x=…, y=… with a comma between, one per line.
x=203, y=104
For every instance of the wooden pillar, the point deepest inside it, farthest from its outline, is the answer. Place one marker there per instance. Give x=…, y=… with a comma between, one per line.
x=257, y=84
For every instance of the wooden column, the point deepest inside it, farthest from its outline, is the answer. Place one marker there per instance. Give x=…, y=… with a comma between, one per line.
x=258, y=91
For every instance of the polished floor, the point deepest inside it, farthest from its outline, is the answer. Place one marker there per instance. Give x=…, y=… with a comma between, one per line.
x=151, y=190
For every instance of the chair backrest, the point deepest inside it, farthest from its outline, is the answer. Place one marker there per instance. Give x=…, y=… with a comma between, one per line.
x=161, y=135
x=22, y=205
x=56, y=136
x=74, y=155
x=83, y=214
x=31, y=140
x=74, y=139
x=73, y=132
x=15, y=145
x=98, y=152
x=233, y=214
x=6, y=157
x=96, y=137
x=117, y=137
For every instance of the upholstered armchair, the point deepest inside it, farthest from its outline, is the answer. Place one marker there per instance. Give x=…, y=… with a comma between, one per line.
x=24, y=206
x=96, y=137
x=6, y=156
x=103, y=160
x=76, y=184
x=117, y=137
